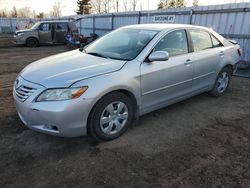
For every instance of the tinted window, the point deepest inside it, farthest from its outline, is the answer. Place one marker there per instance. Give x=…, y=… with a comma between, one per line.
x=175, y=43
x=62, y=26
x=45, y=27
x=201, y=40
x=216, y=42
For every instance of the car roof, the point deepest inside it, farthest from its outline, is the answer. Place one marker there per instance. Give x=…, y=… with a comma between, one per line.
x=161, y=27
x=55, y=21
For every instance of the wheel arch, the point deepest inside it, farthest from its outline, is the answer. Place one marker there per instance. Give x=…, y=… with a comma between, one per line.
x=32, y=37
x=230, y=66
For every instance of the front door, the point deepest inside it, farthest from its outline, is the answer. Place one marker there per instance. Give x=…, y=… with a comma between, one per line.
x=45, y=35
x=163, y=82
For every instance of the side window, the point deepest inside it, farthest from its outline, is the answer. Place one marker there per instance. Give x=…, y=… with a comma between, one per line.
x=62, y=26
x=216, y=42
x=45, y=27
x=201, y=40
x=175, y=43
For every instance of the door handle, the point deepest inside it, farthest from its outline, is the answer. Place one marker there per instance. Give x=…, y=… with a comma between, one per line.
x=221, y=53
x=188, y=62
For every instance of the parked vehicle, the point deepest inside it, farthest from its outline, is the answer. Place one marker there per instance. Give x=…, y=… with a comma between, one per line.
x=120, y=76
x=87, y=40
x=46, y=32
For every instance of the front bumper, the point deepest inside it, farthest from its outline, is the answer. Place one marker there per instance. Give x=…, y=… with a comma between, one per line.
x=17, y=40
x=60, y=118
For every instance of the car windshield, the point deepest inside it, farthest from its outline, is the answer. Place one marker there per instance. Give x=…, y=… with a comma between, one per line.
x=122, y=44
x=35, y=26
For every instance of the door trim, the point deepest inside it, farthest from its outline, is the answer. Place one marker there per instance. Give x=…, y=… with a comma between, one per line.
x=165, y=87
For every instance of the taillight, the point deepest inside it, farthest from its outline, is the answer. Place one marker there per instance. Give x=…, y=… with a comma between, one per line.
x=239, y=51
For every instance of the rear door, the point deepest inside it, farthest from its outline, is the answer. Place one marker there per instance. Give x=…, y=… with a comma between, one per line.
x=208, y=52
x=45, y=35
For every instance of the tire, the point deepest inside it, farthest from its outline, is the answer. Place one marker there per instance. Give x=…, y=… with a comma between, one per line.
x=222, y=82
x=106, y=121
x=32, y=42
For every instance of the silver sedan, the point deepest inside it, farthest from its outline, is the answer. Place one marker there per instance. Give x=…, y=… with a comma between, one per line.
x=131, y=71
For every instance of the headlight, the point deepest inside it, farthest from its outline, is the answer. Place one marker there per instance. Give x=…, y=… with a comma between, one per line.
x=61, y=94
x=20, y=34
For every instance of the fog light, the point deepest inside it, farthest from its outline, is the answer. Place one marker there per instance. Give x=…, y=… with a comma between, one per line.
x=51, y=127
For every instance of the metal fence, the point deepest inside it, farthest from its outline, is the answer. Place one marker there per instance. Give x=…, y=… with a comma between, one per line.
x=10, y=25
x=230, y=20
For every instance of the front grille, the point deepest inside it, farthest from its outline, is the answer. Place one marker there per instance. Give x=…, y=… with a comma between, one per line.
x=23, y=92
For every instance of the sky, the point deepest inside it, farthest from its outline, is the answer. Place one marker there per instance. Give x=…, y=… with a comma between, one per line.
x=69, y=6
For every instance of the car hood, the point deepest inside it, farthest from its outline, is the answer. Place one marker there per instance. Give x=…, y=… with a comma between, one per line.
x=24, y=30
x=64, y=69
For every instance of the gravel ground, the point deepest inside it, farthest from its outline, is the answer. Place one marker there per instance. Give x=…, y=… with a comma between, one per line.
x=200, y=142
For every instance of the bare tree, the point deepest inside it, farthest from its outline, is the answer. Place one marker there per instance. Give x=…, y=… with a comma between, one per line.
x=125, y=5
x=134, y=4
x=56, y=9
x=195, y=3
x=96, y=6
x=24, y=12
x=3, y=13
x=40, y=15
x=115, y=5
x=13, y=13
x=106, y=6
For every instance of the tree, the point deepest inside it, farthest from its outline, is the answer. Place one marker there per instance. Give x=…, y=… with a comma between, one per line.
x=171, y=4
x=195, y=3
x=96, y=6
x=125, y=5
x=40, y=15
x=13, y=13
x=134, y=4
x=3, y=14
x=180, y=3
x=103, y=6
x=84, y=7
x=106, y=6
x=116, y=5
x=25, y=12
x=160, y=5
x=56, y=10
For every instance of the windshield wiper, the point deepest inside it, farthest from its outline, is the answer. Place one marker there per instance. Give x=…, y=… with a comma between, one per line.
x=98, y=54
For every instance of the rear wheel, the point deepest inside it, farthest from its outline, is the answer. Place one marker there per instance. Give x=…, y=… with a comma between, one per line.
x=222, y=82
x=32, y=42
x=111, y=116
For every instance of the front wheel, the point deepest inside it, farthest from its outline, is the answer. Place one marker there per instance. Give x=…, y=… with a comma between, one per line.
x=32, y=42
x=111, y=116
x=222, y=82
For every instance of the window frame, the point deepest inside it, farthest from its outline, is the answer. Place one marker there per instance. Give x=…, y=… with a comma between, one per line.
x=164, y=35
x=210, y=36
x=63, y=23
x=41, y=26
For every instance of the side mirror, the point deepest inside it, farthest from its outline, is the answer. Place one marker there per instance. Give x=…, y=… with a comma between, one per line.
x=159, y=56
